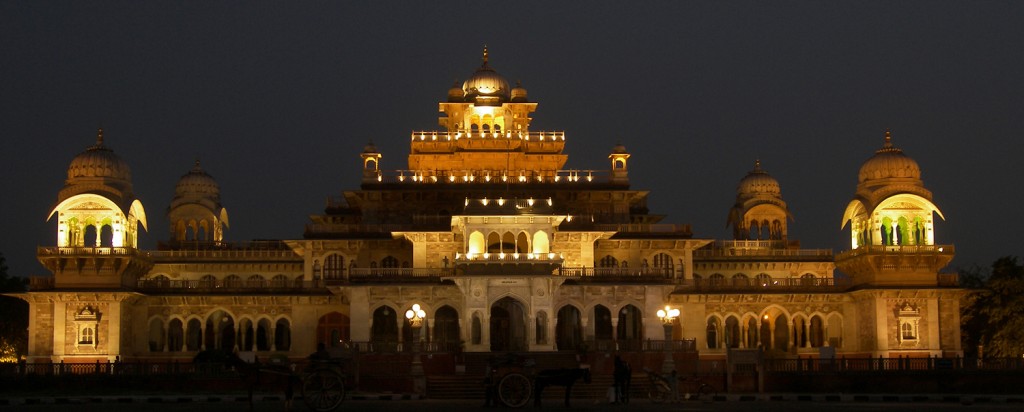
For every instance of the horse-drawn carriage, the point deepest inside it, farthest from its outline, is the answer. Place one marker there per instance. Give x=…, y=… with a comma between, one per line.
x=512, y=381
x=321, y=380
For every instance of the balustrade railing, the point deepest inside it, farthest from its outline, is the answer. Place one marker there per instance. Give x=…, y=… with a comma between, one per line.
x=771, y=285
x=617, y=272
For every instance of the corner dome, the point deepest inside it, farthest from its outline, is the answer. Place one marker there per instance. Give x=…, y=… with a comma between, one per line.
x=486, y=82
x=197, y=183
x=889, y=162
x=758, y=182
x=98, y=161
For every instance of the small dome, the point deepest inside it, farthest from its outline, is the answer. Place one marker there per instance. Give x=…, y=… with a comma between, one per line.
x=518, y=93
x=486, y=82
x=370, y=148
x=197, y=183
x=758, y=182
x=619, y=149
x=455, y=94
x=98, y=161
x=889, y=162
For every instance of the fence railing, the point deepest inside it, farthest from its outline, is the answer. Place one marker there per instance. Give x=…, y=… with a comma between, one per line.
x=890, y=364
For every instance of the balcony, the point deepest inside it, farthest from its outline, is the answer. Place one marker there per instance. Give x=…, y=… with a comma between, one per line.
x=618, y=275
x=508, y=264
x=502, y=177
x=759, y=249
x=78, y=251
x=934, y=250
x=787, y=285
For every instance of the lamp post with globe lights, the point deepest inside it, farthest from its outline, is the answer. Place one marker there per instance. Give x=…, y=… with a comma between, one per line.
x=668, y=316
x=416, y=316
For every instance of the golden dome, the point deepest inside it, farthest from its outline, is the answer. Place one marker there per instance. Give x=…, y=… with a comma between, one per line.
x=98, y=161
x=758, y=182
x=486, y=82
x=889, y=162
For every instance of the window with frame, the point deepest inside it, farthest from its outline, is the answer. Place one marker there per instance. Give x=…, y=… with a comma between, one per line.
x=909, y=318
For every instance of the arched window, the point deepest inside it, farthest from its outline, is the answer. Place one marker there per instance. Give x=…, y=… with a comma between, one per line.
x=569, y=334
x=446, y=326
x=334, y=266
x=716, y=279
x=609, y=261
x=389, y=262
x=232, y=281
x=194, y=335
x=332, y=329
x=208, y=281
x=279, y=281
x=740, y=279
x=662, y=260
x=282, y=335
x=175, y=335
x=807, y=279
x=156, y=335
x=263, y=335
x=254, y=281
x=712, y=333
x=732, y=332
x=763, y=279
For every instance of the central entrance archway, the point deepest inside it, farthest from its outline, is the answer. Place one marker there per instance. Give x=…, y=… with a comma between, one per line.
x=508, y=326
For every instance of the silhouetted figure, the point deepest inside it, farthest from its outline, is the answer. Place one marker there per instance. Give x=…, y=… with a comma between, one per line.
x=558, y=377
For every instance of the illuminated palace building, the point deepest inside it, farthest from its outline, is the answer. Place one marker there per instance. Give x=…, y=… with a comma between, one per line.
x=503, y=249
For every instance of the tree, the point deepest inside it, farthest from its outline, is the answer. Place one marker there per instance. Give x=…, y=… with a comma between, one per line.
x=13, y=316
x=993, y=313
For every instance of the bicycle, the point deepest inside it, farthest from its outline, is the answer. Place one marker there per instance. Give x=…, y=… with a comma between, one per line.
x=703, y=390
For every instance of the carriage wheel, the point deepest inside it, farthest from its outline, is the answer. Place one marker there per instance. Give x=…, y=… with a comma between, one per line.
x=706, y=392
x=514, y=390
x=323, y=390
x=657, y=393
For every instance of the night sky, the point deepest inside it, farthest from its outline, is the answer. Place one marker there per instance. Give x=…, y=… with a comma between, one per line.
x=277, y=99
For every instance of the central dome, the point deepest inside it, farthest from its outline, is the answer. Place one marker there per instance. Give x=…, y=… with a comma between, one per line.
x=889, y=162
x=758, y=182
x=486, y=82
x=98, y=161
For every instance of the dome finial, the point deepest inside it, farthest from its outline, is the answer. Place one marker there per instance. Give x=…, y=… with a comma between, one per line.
x=99, y=136
x=757, y=164
x=485, y=55
x=888, y=139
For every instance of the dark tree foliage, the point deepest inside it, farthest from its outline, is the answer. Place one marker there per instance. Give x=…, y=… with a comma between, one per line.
x=993, y=313
x=13, y=311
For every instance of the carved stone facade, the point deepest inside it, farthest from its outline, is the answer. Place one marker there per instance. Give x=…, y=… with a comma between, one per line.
x=503, y=249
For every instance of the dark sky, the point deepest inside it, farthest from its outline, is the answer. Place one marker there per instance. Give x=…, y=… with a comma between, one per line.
x=278, y=98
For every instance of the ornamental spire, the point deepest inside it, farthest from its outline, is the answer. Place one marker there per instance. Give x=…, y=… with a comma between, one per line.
x=888, y=139
x=99, y=137
x=485, y=55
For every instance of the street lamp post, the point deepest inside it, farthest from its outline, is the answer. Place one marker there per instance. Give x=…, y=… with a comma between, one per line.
x=416, y=316
x=668, y=316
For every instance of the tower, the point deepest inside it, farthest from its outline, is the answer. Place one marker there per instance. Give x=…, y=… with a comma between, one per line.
x=98, y=218
x=905, y=306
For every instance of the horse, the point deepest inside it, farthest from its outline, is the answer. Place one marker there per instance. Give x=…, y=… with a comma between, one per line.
x=558, y=377
x=253, y=375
